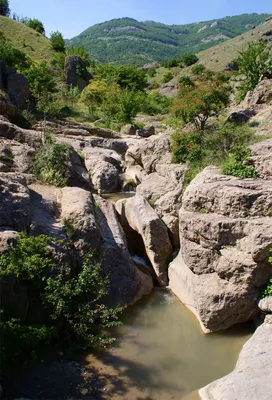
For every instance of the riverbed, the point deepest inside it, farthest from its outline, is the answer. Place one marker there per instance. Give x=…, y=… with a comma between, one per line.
x=160, y=354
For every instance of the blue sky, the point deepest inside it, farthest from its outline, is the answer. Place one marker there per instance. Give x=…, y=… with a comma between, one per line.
x=71, y=17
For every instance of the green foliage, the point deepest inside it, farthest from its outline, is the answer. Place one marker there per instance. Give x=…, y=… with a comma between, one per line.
x=81, y=52
x=11, y=56
x=57, y=42
x=35, y=24
x=4, y=8
x=152, y=72
x=77, y=303
x=114, y=42
x=156, y=103
x=71, y=299
x=172, y=62
x=239, y=169
x=125, y=106
x=186, y=81
x=253, y=62
x=235, y=164
x=94, y=94
x=186, y=147
x=42, y=85
x=268, y=289
x=51, y=163
x=29, y=259
x=188, y=59
x=130, y=77
x=198, y=69
x=213, y=147
x=167, y=77
x=199, y=102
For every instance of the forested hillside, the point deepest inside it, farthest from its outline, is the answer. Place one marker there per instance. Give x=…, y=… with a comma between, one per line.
x=127, y=41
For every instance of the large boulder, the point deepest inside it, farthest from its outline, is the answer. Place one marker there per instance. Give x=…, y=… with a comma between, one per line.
x=127, y=282
x=252, y=376
x=75, y=72
x=6, y=106
x=261, y=156
x=15, y=156
x=104, y=167
x=141, y=218
x=260, y=95
x=225, y=237
x=78, y=214
x=15, y=204
x=14, y=132
x=17, y=88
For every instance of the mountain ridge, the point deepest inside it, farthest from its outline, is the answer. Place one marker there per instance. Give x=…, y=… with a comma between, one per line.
x=126, y=40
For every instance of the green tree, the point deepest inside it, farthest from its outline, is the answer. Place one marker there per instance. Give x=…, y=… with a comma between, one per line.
x=201, y=102
x=93, y=94
x=253, y=62
x=4, y=8
x=57, y=41
x=36, y=25
x=41, y=84
x=188, y=59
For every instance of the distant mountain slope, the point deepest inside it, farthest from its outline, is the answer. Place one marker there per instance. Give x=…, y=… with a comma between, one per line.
x=217, y=57
x=34, y=44
x=127, y=41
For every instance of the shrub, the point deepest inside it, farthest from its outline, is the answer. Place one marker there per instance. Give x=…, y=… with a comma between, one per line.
x=4, y=8
x=74, y=313
x=254, y=63
x=267, y=291
x=198, y=69
x=11, y=56
x=188, y=59
x=34, y=24
x=156, y=103
x=167, y=77
x=51, y=163
x=186, y=147
x=42, y=85
x=239, y=169
x=57, y=42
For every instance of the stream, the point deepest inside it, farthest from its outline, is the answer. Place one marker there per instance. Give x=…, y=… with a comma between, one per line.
x=160, y=353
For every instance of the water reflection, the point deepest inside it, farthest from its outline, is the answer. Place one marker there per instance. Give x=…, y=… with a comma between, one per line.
x=161, y=352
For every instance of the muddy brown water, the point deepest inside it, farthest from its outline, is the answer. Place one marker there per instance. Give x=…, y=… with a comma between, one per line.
x=160, y=354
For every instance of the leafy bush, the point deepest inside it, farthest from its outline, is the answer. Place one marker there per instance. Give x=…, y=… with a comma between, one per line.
x=172, y=62
x=11, y=56
x=198, y=69
x=167, y=77
x=186, y=147
x=253, y=62
x=268, y=290
x=57, y=41
x=235, y=164
x=35, y=24
x=51, y=163
x=152, y=72
x=188, y=59
x=72, y=300
x=41, y=83
x=156, y=103
x=239, y=169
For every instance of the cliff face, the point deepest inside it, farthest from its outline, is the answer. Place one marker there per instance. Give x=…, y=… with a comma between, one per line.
x=225, y=237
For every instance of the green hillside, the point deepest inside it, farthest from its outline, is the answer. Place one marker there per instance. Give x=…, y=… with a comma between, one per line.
x=34, y=44
x=127, y=41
